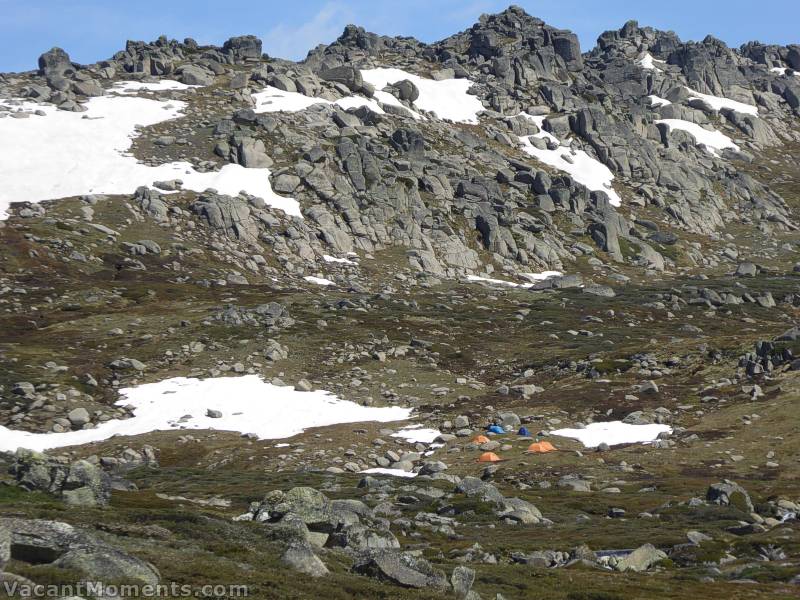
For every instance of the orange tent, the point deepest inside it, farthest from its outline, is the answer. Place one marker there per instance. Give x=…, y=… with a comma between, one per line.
x=489, y=457
x=481, y=439
x=541, y=448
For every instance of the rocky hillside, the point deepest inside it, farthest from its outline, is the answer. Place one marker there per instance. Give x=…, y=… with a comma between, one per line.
x=297, y=326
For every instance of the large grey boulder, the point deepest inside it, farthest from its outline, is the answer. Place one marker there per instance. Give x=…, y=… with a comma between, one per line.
x=361, y=537
x=39, y=542
x=400, y=568
x=79, y=417
x=641, y=559
x=301, y=557
x=195, y=75
x=347, y=76
x=229, y=216
x=462, y=580
x=243, y=48
x=308, y=505
x=406, y=90
x=746, y=269
x=472, y=487
x=729, y=493
x=88, y=88
x=63, y=546
x=109, y=564
x=55, y=62
x=252, y=154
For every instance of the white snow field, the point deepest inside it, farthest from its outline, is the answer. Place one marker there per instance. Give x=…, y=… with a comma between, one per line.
x=271, y=99
x=247, y=404
x=584, y=169
x=613, y=433
x=447, y=98
x=63, y=154
x=714, y=141
x=718, y=103
x=162, y=85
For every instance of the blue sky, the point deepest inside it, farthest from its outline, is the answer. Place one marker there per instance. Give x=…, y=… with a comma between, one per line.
x=92, y=30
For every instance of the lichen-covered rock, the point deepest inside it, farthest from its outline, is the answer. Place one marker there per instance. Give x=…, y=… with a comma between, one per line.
x=729, y=493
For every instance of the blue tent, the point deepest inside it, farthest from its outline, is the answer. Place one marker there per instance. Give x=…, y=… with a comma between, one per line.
x=523, y=431
x=496, y=429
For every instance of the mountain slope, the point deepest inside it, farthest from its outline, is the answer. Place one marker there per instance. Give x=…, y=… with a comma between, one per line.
x=493, y=229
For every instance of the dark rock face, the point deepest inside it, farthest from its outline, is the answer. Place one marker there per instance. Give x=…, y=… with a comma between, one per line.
x=243, y=48
x=346, y=75
x=55, y=63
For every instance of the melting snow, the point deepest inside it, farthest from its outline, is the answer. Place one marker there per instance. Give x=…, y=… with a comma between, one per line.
x=392, y=472
x=656, y=101
x=584, y=169
x=415, y=434
x=542, y=276
x=613, y=433
x=447, y=98
x=163, y=85
x=478, y=279
x=318, y=280
x=718, y=103
x=714, y=141
x=271, y=99
x=332, y=259
x=648, y=62
x=65, y=154
x=248, y=405
x=534, y=277
x=783, y=71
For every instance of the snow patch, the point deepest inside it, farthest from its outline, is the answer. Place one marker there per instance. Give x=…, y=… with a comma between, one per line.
x=714, y=141
x=656, y=101
x=417, y=434
x=271, y=99
x=783, y=71
x=392, y=472
x=447, y=98
x=533, y=277
x=319, y=280
x=718, y=103
x=64, y=154
x=613, y=433
x=477, y=279
x=648, y=62
x=163, y=85
x=541, y=276
x=332, y=259
x=247, y=404
x=584, y=169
